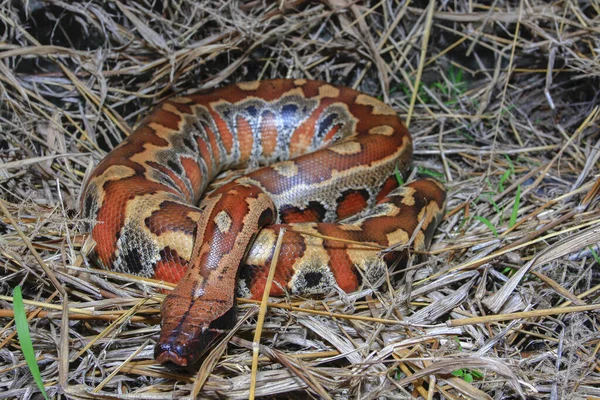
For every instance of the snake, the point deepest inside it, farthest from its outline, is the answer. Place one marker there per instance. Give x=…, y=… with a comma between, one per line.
x=306, y=164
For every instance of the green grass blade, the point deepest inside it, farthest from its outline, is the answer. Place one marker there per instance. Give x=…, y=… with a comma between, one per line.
x=596, y=256
x=434, y=174
x=487, y=223
x=25, y=339
x=398, y=176
x=503, y=179
x=515, y=209
x=510, y=164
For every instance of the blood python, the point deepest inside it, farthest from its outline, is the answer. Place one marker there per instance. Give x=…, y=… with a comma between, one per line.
x=313, y=153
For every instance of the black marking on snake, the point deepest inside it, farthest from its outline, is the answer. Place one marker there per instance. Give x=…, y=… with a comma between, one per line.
x=324, y=125
x=132, y=257
x=174, y=167
x=313, y=279
x=226, y=114
x=252, y=110
x=288, y=112
x=266, y=217
x=189, y=143
x=170, y=254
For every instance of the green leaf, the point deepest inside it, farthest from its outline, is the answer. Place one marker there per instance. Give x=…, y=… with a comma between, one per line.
x=440, y=87
x=487, y=196
x=467, y=374
x=398, y=374
x=596, y=257
x=434, y=174
x=394, y=89
x=503, y=179
x=476, y=374
x=398, y=176
x=487, y=223
x=455, y=75
x=504, y=110
x=511, y=164
x=25, y=339
x=515, y=209
x=457, y=341
x=466, y=135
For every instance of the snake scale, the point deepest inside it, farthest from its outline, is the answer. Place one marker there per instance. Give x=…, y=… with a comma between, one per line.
x=313, y=154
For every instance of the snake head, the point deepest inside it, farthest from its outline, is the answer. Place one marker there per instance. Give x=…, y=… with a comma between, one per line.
x=185, y=340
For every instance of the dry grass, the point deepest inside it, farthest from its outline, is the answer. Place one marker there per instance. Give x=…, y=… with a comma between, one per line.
x=506, y=112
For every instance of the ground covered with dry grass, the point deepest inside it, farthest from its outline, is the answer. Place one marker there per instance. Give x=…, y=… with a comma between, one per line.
x=502, y=98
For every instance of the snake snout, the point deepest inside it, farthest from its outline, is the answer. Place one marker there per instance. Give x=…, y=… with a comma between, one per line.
x=183, y=343
x=173, y=356
x=178, y=352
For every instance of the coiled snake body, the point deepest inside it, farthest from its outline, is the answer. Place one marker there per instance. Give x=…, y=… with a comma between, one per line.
x=315, y=154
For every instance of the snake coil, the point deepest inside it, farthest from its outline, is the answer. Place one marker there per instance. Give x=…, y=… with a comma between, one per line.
x=314, y=154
